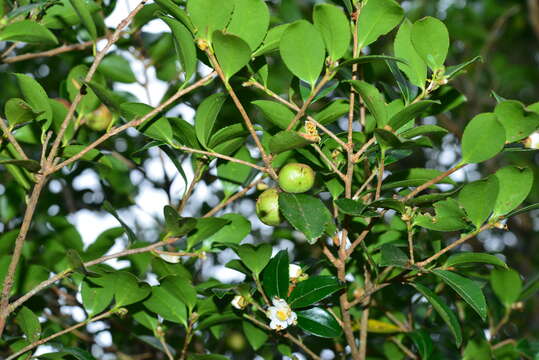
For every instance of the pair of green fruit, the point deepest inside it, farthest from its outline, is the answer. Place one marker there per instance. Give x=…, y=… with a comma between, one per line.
x=293, y=178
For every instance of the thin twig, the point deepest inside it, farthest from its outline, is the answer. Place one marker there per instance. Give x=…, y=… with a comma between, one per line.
x=196, y=178
x=60, y=333
x=364, y=185
x=222, y=156
x=403, y=348
x=9, y=50
x=431, y=182
x=165, y=347
x=329, y=162
x=188, y=336
x=233, y=198
x=12, y=139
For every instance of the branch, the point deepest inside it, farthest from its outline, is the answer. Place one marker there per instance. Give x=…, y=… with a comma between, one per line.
x=12, y=139
x=53, y=52
x=225, y=157
x=132, y=123
x=429, y=183
x=60, y=333
x=330, y=163
x=233, y=198
x=460, y=241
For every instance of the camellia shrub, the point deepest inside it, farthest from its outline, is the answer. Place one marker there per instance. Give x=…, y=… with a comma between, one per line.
x=356, y=248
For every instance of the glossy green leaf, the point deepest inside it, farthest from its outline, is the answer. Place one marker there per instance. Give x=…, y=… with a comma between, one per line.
x=29, y=324
x=443, y=310
x=18, y=112
x=250, y=21
x=303, y=51
x=255, y=258
x=34, y=94
x=350, y=207
x=117, y=68
x=374, y=101
x=255, y=336
x=409, y=113
x=449, y=217
x=28, y=31
x=125, y=287
x=287, y=140
x=453, y=71
x=179, y=13
x=147, y=320
x=514, y=186
x=74, y=81
x=516, y=120
x=232, y=174
x=110, y=98
x=175, y=224
x=332, y=112
x=209, y=15
x=469, y=290
x=102, y=243
x=85, y=16
x=423, y=130
x=318, y=322
x=278, y=114
x=377, y=18
x=467, y=258
x=334, y=27
x=478, y=199
x=275, y=278
x=422, y=342
x=413, y=177
x=415, y=69
x=313, y=290
x=392, y=255
x=94, y=298
x=483, y=138
x=167, y=304
x=156, y=128
x=507, y=285
x=206, y=116
x=231, y=51
x=182, y=289
x=234, y=232
x=306, y=214
x=205, y=228
x=477, y=349
x=184, y=45
x=271, y=41
x=431, y=41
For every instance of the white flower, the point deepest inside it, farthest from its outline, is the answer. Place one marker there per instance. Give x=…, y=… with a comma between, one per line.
x=281, y=315
x=173, y=259
x=532, y=142
x=294, y=271
x=239, y=302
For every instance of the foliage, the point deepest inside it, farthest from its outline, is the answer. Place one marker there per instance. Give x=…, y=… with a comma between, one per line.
x=367, y=253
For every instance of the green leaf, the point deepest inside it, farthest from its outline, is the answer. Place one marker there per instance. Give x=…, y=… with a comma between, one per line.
x=184, y=45
x=35, y=96
x=110, y=98
x=514, y=186
x=182, y=289
x=206, y=116
x=30, y=165
x=287, y=140
x=209, y=15
x=231, y=51
x=28, y=31
x=125, y=287
x=453, y=71
x=477, y=349
x=350, y=207
x=367, y=59
x=250, y=21
x=415, y=69
x=374, y=101
x=376, y=19
x=318, y=322
x=149, y=321
x=423, y=130
x=255, y=336
x=471, y=257
x=469, y=290
x=177, y=225
x=232, y=233
x=313, y=290
x=18, y=112
x=156, y=128
x=303, y=51
x=306, y=214
x=110, y=209
x=94, y=298
x=449, y=217
x=443, y=310
x=29, y=324
x=275, y=277
x=409, y=113
x=483, y=138
x=272, y=40
x=431, y=41
x=522, y=210
x=102, y=243
x=277, y=113
x=516, y=120
x=167, y=304
x=388, y=204
x=413, y=177
x=255, y=258
x=205, y=228
x=478, y=199
x=332, y=112
x=422, y=342
x=334, y=27
x=74, y=81
x=117, y=68
x=179, y=13
x=85, y=16
x=507, y=285
x=391, y=255
x=232, y=174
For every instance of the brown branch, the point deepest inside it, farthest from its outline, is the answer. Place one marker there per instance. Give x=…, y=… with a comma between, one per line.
x=233, y=198
x=460, y=241
x=329, y=162
x=225, y=157
x=12, y=139
x=132, y=123
x=53, y=52
x=196, y=178
x=363, y=331
x=9, y=50
x=364, y=185
x=188, y=336
x=403, y=348
x=60, y=333
x=431, y=182
x=363, y=149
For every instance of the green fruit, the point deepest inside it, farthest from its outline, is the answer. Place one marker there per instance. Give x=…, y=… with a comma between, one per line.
x=267, y=207
x=296, y=178
x=100, y=119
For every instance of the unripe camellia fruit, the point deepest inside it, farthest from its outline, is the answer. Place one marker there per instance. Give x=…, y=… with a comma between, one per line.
x=267, y=207
x=100, y=119
x=296, y=178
